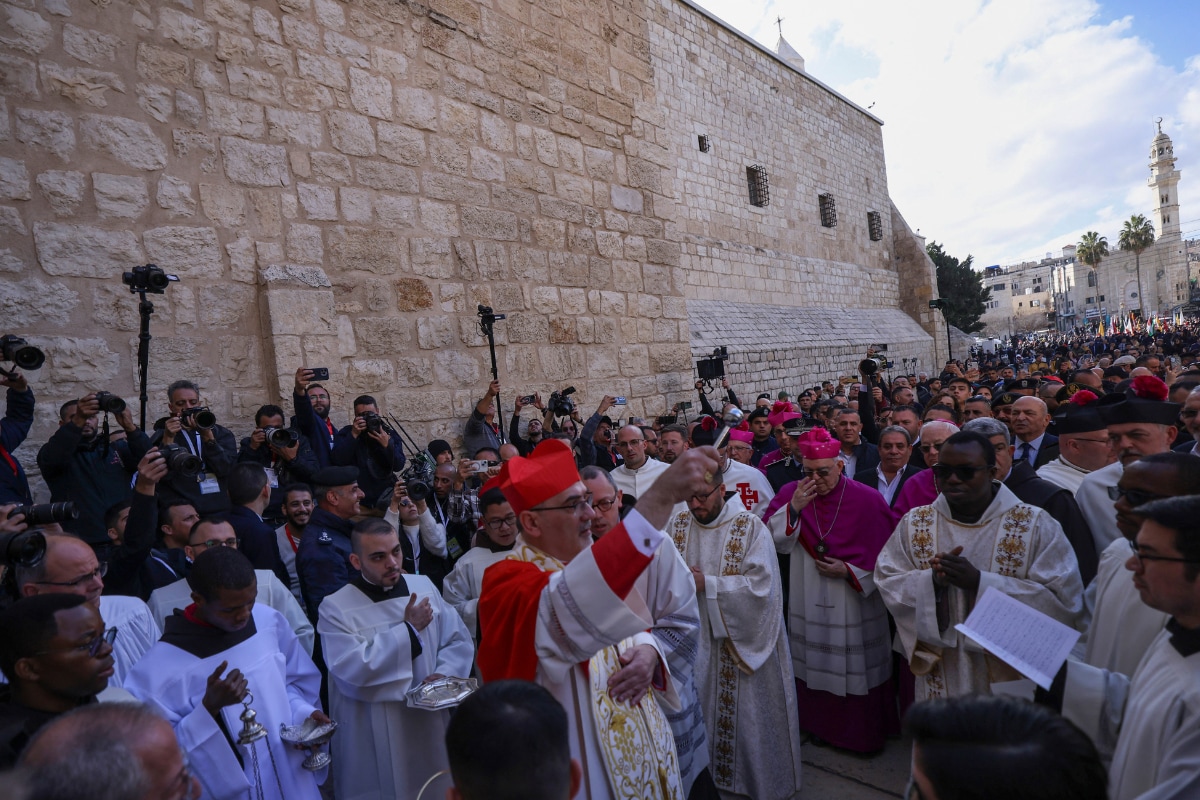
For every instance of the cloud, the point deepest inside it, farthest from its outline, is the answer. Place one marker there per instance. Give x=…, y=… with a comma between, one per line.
x=1010, y=127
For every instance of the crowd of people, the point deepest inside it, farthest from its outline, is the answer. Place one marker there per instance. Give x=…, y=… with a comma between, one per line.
x=667, y=608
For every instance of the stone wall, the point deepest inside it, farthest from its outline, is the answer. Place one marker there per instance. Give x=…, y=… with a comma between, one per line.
x=339, y=184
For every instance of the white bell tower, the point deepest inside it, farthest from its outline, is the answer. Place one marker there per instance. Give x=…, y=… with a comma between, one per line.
x=1164, y=180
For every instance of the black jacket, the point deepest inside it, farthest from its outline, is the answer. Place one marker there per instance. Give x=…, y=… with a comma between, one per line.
x=127, y=561
x=219, y=456
x=258, y=542
x=323, y=559
x=92, y=475
x=300, y=469
x=317, y=432
x=18, y=418
x=784, y=471
x=1045, y=454
x=1061, y=505
x=377, y=465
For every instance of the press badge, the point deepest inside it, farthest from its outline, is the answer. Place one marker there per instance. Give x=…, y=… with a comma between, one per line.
x=208, y=485
x=272, y=477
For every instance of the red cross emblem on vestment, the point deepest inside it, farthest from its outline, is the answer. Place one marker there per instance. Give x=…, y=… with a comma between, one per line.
x=748, y=495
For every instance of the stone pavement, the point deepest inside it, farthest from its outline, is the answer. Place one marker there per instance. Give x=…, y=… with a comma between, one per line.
x=839, y=775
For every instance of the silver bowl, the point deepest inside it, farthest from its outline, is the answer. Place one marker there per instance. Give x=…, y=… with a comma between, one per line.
x=310, y=735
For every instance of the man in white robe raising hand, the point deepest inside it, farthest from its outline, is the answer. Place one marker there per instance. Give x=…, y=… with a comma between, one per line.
x=382, y=634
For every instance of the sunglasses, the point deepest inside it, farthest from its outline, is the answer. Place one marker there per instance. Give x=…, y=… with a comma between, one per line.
x=943, y=472
x=1134, y=496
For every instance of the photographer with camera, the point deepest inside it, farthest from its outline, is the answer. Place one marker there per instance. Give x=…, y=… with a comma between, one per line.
x=706, y=406
x=533, y=431
x=14, y=427
x=82, y=464
x=373, y=447
x=282, y=452
x=130, y=531
x=194, y=428
x=422, y=538
x=481, y=429
x=597, y=432
x=311, y=401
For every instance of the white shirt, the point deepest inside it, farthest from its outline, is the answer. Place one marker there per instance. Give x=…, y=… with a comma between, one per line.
x=888, y=490
x=637, y=481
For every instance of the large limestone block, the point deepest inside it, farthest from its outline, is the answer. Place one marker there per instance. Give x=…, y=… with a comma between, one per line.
x=129, y=141
x=120, y=196
x=456, y=369
x=301, y=311
x=84, y=251
x=14, y=180
x=173, y=358
x=384, y=337
x=80, y=362
x=24, y=30
x=369, y=375
x=190, y=252
x=254, y=164
x=27, y=302
x=371, y=249
x=241, y=361
x=53, y=131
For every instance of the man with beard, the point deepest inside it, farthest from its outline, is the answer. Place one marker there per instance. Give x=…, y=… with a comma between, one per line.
x=215, y=446
x=297, y=508
x=921, y=489
x=533, y=431
x=55, y=655
x=494, y=540
x=422, y=538
x=941, y=557
x=283, y=463
x=311, y=401
x=1122, y=626
x=743, y=671
x=81, y=464
x=170, y=562
x=674, y=639
x=1190, y=417
x=70, y=567
x=1140, y=422
x=372, y=447
x=383, y=634
x=184, y=678
x=672, y=443
x=1082, y=443
x=753, y=491
x=977, y=407
x=840, y=641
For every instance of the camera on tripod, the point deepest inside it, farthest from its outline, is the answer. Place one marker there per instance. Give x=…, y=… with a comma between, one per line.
x=21, y=353
x=149, y=278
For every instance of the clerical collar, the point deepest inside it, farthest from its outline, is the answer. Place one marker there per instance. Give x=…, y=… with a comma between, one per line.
x=1184, y=640
x=376, y=593
x=202, y=640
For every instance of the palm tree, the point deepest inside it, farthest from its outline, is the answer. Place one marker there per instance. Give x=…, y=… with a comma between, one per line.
x=1137, y=235
x=1091, y=250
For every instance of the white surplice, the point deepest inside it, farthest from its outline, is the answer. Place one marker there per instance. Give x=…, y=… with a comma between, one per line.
x=384, y=749
x=1122, y=626
x=744, y=672
x=1097, y=507
x=1063, y=473
x=285, y=684
x=1150, y=723
x=288, y=556
x=1018, y=549
x=754, y=491
x=137, y=632
x=462, y=586
x=581, y=627
x=637, y=481
x=178, y=595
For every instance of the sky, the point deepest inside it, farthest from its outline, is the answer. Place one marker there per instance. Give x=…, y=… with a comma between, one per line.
x=1012, y=126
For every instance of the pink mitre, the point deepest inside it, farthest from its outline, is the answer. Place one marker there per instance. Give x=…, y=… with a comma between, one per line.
x=741, y=436
x=817, y=444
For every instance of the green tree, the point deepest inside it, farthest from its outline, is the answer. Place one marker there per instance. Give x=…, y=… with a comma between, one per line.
x=961, y=288
x=1091, y=250
x=1136, y=235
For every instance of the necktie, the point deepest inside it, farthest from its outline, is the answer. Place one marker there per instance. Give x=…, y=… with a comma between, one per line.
x=1025, y=448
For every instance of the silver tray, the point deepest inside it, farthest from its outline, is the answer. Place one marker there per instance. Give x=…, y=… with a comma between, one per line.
x=441, y=693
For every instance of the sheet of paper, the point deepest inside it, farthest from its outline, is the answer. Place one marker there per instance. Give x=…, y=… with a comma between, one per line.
x=1030, y=642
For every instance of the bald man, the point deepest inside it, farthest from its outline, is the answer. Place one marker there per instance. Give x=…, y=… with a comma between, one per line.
x=638, y=472
x=1028, y=419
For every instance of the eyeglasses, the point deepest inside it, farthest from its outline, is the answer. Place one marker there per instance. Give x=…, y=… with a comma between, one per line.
x=700, y=498
x=1140, y=556
x=91, y=647
x=604, y=505
x=502, y=522
x=964, y=473
x=97, y=574
x=925, y=448
x=823, y=472
x=234, y=543
x=579, y=505
x=1136, y=497
x=631, y=443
